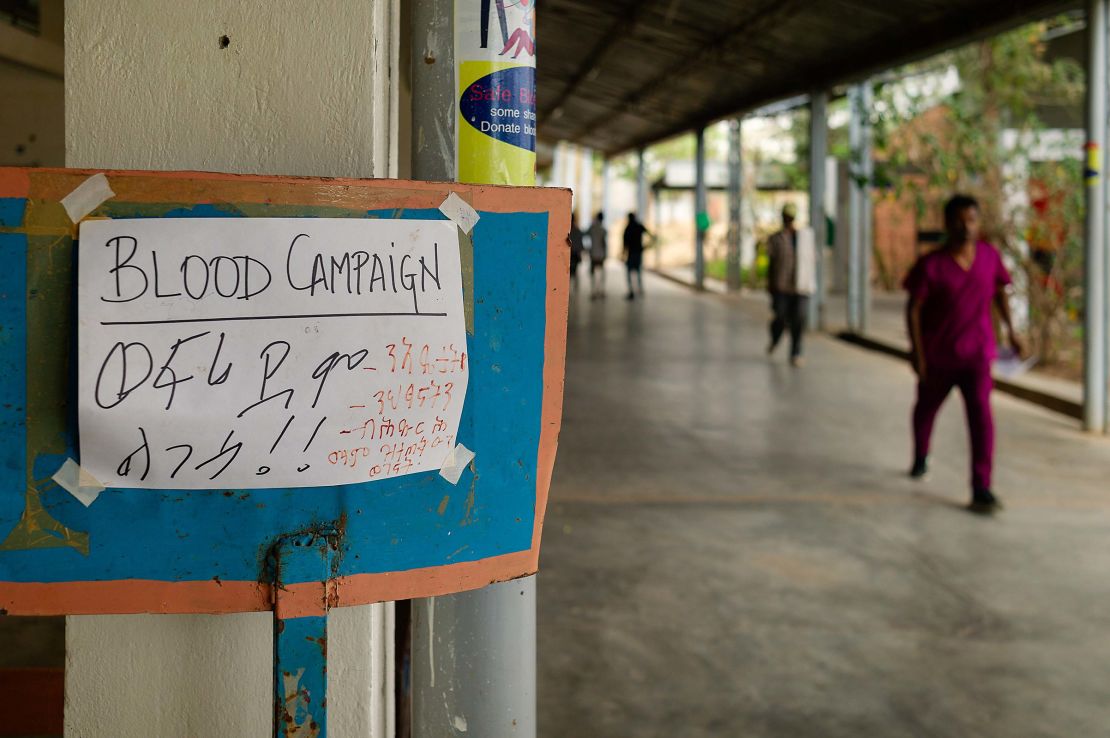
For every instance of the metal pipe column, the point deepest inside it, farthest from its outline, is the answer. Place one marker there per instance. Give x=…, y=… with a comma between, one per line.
x=818, y=151
x=735, y=179
x=854, y=240
x=605, y=191
x=433, y=90
x=859, y=207
x=701, y=217
x=641, y=188
x=473, y=653
x=866, y=220
x=1094, y=288
x=657, y=210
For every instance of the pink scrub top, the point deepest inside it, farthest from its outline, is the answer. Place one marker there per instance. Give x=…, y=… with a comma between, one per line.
x=957, y=331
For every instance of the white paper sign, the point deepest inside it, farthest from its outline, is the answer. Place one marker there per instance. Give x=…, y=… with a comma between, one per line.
x=268, y=352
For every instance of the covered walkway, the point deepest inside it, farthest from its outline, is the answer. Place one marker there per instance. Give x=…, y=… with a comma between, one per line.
x=732, y=548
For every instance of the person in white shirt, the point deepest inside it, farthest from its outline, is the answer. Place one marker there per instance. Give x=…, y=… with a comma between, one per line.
x=791, y=281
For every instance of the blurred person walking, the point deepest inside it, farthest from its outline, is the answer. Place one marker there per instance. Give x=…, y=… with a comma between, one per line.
x=634, y=234
x=599, y=250
x=948, y=314
x=790, y=281
x=577, y=246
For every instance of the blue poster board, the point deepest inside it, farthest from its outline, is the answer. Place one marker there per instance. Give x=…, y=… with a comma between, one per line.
x=151, y=550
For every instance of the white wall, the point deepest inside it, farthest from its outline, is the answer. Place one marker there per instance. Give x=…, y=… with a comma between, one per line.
x=302, y=88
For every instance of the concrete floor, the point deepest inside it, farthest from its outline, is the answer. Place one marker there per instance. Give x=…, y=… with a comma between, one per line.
x=732, y=548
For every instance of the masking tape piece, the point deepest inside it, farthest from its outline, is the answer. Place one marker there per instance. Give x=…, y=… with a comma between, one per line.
x=457, y=460
x=87, y=197
x=459, y=210
x=78, y=482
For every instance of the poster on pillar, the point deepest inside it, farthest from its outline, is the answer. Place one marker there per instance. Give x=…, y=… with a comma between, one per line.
x=495, y=78
x=200, y=366
x=266, y=352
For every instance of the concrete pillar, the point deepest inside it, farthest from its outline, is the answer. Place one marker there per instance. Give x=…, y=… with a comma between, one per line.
x=701, y=216
x=735, y=186
x=859, y=208
x=818, y=150
x=559, y=165
x=584, y=192
x=300, y=89
x=1095, y=262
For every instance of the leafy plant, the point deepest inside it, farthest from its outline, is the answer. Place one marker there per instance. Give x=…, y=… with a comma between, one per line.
x=987, y=139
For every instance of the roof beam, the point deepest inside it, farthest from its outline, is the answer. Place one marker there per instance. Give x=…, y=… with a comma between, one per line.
x=768, y=12
x=890, y=51
x=624, y=25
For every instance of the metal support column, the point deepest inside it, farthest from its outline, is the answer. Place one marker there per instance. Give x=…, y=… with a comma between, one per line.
x=657, y=210
x=641, y=188
x=433, y=90
x=1095, y=266
x=301, y=632
x=818, y=150
x=701, y=216
x=605, y=191
x=859, y=208
x=473, y=653
x=866, y=221
x=735, y=187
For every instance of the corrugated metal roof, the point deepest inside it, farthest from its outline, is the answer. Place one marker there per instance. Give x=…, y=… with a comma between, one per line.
x=618, y=75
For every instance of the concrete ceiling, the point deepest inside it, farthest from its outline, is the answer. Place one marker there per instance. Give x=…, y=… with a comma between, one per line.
x=622, y=74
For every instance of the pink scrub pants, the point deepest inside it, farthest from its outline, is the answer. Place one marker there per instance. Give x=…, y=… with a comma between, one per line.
x=975, y=385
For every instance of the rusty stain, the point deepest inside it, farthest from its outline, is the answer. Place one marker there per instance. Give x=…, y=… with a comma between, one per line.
x=49, y=279
x=216, y=579
x=466, y=262
x=322, y=643
x=269, y=556
x=296, y=701
x=38, y=529
x=466, y=518
x=443, y=504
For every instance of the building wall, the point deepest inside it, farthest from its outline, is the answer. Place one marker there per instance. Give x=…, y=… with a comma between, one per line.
x=299, y=88
x=895, y=239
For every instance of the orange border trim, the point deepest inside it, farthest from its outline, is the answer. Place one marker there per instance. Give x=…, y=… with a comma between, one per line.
x=133, y=596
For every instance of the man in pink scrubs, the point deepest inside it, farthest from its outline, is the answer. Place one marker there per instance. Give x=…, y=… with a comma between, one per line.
x=951, y=292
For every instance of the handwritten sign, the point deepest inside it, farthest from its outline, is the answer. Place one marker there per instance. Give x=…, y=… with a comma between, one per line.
x=268, y=352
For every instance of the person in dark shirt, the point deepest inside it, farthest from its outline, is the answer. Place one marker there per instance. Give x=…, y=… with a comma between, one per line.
x=634, y=234
x=951, y=292
x=577, y=246
x=599, y=252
